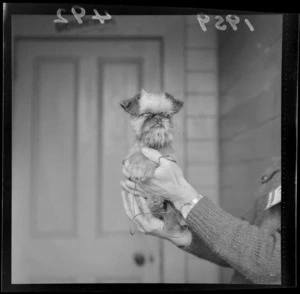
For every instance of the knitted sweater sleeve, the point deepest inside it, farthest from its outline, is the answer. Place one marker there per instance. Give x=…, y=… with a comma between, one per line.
x=228, y=241
x=200, y=248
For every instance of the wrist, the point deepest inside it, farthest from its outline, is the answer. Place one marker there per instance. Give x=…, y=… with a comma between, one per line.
x=186, y=195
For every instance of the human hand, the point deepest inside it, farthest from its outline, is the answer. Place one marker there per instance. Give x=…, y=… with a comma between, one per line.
x=168, y=181
x=138, y=212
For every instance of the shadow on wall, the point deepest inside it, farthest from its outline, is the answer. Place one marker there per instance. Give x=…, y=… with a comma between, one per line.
x=250, y=110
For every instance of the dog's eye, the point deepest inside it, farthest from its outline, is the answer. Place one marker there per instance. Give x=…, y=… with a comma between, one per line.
x=166, y=115
x=145, y=114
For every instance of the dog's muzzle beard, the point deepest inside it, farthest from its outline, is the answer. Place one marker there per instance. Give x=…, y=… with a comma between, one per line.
x=156, y=138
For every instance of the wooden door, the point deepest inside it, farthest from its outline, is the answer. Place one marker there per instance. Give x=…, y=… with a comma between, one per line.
x=69, y=138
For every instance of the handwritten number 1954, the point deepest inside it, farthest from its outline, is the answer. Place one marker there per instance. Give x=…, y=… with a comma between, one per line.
x=233, y=20
x=80, y=15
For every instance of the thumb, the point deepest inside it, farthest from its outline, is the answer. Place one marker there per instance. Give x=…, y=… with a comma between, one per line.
x=151, y=154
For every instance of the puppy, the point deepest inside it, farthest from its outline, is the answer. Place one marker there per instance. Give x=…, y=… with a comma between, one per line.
x=151, y=116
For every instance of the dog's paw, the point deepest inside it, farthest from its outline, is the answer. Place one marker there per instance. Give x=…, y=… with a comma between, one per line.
x=156, y=204
x=139, y=172
x=139, y=167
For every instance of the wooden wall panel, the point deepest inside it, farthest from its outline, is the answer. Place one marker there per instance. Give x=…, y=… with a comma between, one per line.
x=201, y=123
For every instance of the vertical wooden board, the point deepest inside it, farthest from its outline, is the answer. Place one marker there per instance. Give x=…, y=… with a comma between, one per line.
x=202, y=105
x=54, y=147
x=173, y=80
x=203, y=175
x=197, y=38
x=201, y=59
x=202, y=151
x=202, y=128
x=114, y=139
x=202, y=82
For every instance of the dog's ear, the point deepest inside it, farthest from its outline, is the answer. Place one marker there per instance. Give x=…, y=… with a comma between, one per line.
x=144, y=92
x=131, y=105
x=177, y=104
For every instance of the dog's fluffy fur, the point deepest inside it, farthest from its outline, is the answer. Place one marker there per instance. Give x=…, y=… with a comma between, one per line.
x=152, y=121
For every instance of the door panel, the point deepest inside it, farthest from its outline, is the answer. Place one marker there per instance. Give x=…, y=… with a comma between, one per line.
x=54, y=165
x=69, y=138
x=125, y=75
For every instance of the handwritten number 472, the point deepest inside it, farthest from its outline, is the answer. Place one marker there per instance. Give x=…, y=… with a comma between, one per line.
x=80, y=15
x=233, y=20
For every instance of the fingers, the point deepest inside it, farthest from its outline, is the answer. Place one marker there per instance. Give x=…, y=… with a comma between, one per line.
x=125, y=172
x=127, y=175
x=152, y=154
x=132, y=210
x=138, y=212
x=131, y=187
x=157, y=157
x=145, y=209
x=143, y=203
x=126, y=205
x=139, y=216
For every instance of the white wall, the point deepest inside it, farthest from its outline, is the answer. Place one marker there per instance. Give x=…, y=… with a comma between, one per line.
x=201, y=128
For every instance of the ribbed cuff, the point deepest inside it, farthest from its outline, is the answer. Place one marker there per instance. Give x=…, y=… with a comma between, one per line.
x=208, y=221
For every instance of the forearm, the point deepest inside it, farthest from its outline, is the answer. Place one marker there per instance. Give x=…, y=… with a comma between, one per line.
x=200, y=249
x=252, y=251
x=193, y=244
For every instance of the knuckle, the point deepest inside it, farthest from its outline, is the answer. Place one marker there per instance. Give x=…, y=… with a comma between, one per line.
x=168, y=163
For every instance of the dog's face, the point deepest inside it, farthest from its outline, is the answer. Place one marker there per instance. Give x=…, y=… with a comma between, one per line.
x=151, y=117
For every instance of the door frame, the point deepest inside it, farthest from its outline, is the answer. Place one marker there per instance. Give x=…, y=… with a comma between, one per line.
x=170, y=31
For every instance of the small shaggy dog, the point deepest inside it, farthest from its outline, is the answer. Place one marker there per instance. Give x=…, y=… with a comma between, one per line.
x=151, y=118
